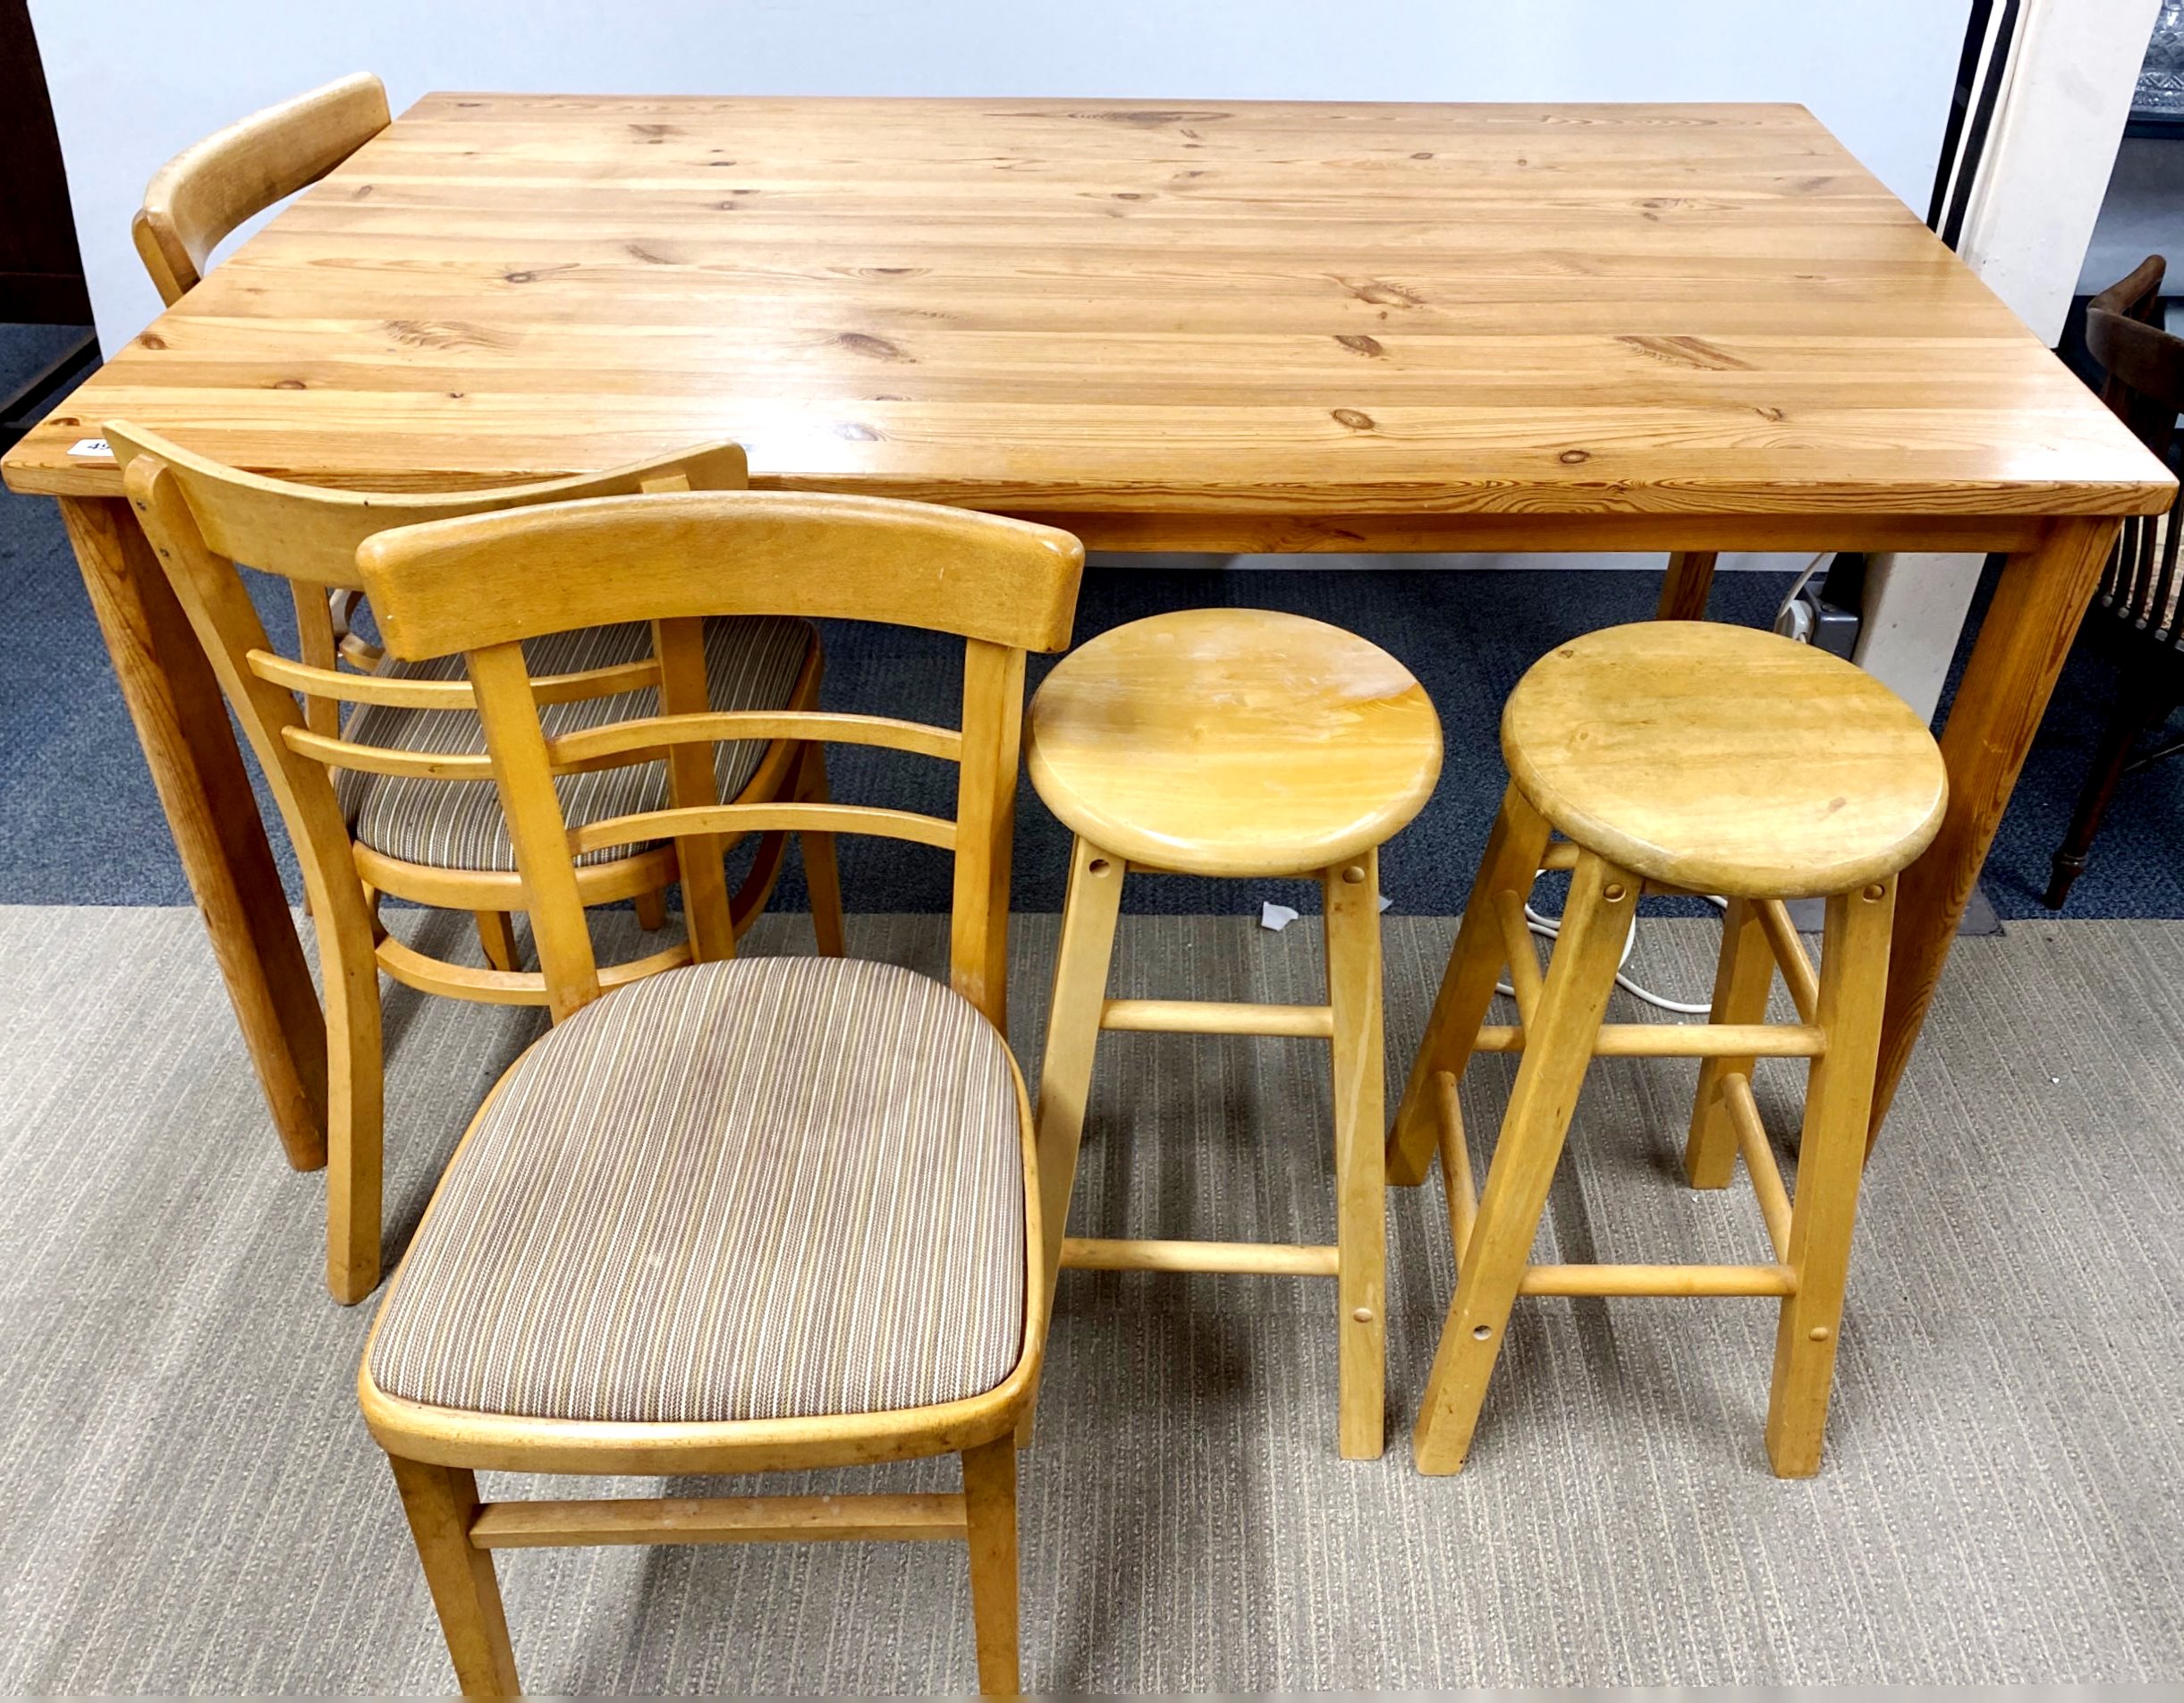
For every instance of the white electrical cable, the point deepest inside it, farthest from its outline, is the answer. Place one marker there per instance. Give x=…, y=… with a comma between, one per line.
x=1551, y=928
x=1803, y=579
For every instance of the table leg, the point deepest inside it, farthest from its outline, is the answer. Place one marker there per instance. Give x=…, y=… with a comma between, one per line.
x=2020, y=649
x=1685, y=588
x=182, y=723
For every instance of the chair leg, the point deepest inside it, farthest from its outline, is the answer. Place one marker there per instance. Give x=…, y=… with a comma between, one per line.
x=1088, y=916
x=822, y=875
x=1351, y=893
x=496, y=933
x=1743, y=977
x=1831, y=1158
x=1558, y=1045
x=442, y=1502
x=2135, y=710
x=355, y=1097
x=989, y=1506
x=651, y=910
x=1511, y=864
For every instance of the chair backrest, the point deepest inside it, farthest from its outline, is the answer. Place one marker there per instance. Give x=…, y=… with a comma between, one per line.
x=2145, y=364
x=481, y=586
x=201, y=518
x=211, y=187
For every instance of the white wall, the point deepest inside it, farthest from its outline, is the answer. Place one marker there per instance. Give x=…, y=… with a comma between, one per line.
x=133, y=80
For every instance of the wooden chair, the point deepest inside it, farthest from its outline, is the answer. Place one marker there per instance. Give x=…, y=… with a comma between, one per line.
x=747, y=1215
x=2134, y=613
x=198, y=198
x=194, y=203
x=400, y=802
x=1234, y=742
x=1676, y=756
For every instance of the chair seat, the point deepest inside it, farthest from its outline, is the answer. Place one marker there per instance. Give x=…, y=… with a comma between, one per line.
x=1232, y=742
x=763, y=1189
x=752, y=663
x=1725, y=759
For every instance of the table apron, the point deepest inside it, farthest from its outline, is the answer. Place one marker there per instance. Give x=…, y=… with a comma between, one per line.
x=1243, y=534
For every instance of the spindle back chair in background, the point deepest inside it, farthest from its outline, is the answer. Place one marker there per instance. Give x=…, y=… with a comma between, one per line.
x=2135, y=614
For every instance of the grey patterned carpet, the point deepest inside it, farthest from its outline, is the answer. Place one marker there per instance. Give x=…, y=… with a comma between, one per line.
x=191, y=1504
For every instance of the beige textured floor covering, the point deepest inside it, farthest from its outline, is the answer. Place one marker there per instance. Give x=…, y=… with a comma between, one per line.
x=191, y=1503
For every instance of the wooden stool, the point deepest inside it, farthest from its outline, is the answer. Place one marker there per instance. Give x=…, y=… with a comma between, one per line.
x=1234, y=742
x=1677, y=757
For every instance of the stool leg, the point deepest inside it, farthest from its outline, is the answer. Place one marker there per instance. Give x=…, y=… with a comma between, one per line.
x=1831, y=1158
x=1352, y=895
x=1743, y=979
x=1557, y=1047
x=1072, y=1034
x=1511, y=864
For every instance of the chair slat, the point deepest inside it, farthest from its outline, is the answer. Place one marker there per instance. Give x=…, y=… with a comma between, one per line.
x=408, y=693
x=393, y=690
x=385, y=759
x=744, y=818
x=483, y=585
x=645, y=732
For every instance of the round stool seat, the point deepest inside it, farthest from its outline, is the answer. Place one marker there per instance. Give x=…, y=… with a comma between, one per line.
x=1232, y=742
x=1724, y=759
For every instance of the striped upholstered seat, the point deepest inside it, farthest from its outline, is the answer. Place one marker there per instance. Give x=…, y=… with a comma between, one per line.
x=752, y=663
x=763, y=1189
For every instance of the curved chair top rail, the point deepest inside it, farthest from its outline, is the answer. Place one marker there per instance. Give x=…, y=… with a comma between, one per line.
x=536, y=569
x=2144, y=361
x=212, y=186
x=483, y=584
x=310, y=533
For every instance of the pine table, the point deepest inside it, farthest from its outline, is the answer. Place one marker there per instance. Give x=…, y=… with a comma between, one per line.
x=1205, y=325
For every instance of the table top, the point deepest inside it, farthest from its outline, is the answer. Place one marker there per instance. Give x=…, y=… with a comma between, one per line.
x=1087, y=309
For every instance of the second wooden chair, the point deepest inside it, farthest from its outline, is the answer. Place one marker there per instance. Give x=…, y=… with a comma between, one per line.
x=399, y=801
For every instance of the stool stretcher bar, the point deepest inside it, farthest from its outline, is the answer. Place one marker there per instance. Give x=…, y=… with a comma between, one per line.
x=707, y=1520
x=1679, y=1041
x=1658, y=1280
x=1260, y=1258
x=1213, y=1017
x=1776, y=1280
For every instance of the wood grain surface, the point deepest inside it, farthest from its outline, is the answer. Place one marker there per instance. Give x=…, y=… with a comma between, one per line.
x=1214, y=323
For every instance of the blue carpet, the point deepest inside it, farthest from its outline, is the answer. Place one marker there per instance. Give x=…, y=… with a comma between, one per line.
x=26, y=351
x=81, y=825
